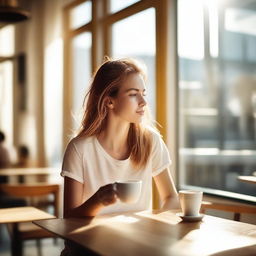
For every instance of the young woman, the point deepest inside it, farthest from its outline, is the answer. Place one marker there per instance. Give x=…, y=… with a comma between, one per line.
x=116, y=142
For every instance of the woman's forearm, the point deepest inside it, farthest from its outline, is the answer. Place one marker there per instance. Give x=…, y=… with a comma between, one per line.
x=171, y=203
x=89, y=208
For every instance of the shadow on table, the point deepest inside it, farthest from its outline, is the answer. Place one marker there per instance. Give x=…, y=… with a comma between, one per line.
x=73, y=249
x=138, y=233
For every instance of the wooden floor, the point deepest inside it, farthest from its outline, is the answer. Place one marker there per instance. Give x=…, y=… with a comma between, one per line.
x=49, y=248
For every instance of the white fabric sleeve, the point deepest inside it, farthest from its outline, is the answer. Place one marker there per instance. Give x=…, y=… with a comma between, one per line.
x=160, y=155
x=72, y=165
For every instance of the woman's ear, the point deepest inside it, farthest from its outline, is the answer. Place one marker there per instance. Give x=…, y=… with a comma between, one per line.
x=109, y=103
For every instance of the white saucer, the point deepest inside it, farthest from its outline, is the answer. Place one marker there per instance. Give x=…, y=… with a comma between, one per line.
x=190, y=218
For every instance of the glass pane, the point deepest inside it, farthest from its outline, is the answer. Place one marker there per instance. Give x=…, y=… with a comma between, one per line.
x=6, y=100
x=117, y=5
x=53, y=101
x=81, y=15
x=7, y=41
x=195, y=34
x=81, y=73
x=217, y=95
x=141, y=25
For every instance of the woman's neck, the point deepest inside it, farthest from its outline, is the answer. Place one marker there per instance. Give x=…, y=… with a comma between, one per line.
x=114, y=138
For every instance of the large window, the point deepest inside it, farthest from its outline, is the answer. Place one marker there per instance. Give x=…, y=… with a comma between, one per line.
x=215, y=91
x=217, y=95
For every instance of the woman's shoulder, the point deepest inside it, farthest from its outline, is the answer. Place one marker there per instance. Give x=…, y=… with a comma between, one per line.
x=156, y=139
x=153, y=132
x=80, y=142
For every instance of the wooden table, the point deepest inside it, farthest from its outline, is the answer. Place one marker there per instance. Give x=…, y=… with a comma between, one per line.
x=249, y=179
x=159, y=234
x=21, y=214
x=13, y=174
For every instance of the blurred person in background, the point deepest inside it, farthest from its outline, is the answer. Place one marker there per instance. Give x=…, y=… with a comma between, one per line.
x=23, y=156
x=5, y=156
x=5, y=162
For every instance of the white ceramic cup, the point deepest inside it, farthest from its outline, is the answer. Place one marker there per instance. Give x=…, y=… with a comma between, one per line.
x=128, y=191
x=190, y=202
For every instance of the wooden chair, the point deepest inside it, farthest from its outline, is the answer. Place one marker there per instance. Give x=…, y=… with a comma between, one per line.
x=34, y=193
x=227, y=206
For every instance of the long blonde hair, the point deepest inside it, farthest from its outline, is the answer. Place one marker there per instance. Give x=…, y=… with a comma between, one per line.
x=106, y=83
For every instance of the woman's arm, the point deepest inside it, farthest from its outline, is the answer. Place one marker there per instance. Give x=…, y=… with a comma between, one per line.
x=167, y=190
x=73, y=199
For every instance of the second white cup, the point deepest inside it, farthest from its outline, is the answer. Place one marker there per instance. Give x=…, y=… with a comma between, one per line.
x=190, y=202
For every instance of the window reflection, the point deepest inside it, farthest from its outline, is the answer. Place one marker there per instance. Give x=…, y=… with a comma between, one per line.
x=217, y=94
x=191, y=30
x=142, y=26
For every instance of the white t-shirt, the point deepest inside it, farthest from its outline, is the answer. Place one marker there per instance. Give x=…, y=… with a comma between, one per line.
x=86, y=161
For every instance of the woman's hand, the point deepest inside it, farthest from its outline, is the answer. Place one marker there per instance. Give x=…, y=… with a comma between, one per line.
x=107, y=194
x=73, y=200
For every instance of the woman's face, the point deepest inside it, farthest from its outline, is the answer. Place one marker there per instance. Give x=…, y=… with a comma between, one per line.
x=129, y=104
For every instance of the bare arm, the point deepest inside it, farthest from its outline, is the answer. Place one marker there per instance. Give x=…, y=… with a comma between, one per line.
x=167, y=190
x=73, y=199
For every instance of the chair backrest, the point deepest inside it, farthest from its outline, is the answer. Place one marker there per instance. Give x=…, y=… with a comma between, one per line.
x=236, y=208
x=34, y=190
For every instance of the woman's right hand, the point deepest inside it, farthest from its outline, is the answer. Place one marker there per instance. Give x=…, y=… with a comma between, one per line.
x=106, y=195
x=74, y=205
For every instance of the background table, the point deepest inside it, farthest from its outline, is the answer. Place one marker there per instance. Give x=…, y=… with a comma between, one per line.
x=20, y=214
x=19, y=175
x=159, y=234
x=249, y=179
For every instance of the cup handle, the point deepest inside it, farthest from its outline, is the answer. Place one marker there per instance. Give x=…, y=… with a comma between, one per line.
x=115, y=187
x=115, y=190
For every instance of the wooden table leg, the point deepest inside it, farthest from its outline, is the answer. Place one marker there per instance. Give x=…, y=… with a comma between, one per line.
x=16, y=244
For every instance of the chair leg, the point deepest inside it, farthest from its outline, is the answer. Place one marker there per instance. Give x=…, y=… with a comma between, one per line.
x=39, y=247
x=237, y=216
